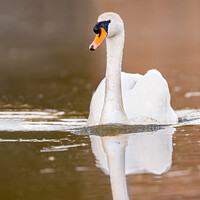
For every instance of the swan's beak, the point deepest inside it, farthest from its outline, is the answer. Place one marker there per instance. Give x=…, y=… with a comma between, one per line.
x=98, y=39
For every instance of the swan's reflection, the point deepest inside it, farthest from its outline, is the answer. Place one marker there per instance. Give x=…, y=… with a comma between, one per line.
x=117, y=156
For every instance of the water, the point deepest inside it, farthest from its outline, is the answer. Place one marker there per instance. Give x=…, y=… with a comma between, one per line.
x=45, y=65
x=48, y=154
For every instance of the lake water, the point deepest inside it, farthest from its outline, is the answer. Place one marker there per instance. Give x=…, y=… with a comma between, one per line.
x=47, y=77
x=49, y=154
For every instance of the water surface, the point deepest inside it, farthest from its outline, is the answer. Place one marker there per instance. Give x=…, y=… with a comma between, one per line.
x=48, y=154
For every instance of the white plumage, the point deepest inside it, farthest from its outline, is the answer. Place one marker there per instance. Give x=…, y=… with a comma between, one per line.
x=128, y=98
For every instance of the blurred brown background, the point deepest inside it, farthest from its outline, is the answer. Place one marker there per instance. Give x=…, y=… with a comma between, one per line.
x=45, y=61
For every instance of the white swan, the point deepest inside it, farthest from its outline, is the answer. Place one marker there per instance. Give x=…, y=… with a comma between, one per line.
x=123, y=97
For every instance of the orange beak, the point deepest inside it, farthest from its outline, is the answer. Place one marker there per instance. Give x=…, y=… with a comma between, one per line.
x=98, y=39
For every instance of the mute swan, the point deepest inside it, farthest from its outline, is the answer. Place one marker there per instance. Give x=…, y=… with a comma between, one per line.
x=123, y=97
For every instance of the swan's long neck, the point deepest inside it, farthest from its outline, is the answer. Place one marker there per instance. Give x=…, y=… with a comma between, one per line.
x=113, y=111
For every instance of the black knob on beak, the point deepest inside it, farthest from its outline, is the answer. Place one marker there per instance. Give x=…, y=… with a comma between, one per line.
x=99, y=25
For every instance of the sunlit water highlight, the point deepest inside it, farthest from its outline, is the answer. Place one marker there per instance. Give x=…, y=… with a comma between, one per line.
x=52, y=120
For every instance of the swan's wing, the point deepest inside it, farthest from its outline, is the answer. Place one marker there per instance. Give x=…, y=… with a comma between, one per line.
x=149, y=100
x=96, y=104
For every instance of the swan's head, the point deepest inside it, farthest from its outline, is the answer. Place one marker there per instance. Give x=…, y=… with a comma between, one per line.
x=109, y=24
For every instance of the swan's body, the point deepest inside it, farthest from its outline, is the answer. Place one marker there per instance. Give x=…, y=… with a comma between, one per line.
x=146, y=100
x=123, y=97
